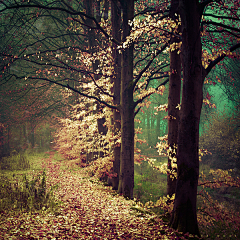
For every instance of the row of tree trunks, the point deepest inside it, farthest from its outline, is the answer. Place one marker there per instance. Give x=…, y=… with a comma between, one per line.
x=185, y=135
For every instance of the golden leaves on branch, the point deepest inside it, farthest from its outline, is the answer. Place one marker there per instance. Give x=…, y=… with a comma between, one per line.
x=203, y=152
x=175, y=46
x=145, y=93
x=207, y=102
x=161, y=28
x=210, y=55
x=163, y=107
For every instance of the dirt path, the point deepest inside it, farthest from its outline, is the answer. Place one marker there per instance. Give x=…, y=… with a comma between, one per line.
x=88, y=211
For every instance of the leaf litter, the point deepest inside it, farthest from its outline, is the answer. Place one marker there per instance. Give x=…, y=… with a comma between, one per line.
x=87, y=210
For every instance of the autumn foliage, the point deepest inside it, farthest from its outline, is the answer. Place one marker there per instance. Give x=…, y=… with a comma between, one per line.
x=89, y=73
x=84, y=209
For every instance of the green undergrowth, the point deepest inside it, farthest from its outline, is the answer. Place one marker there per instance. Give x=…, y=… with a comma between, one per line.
x=23, y=183
x=149, y=184
x=21, y=190
x=149, y=188
x=16, y=161
x=25, y=193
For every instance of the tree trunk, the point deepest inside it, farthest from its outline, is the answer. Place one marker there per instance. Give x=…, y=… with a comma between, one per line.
x=8, y=138
x=173, y=102
x=116, y=24
x=148, y=126
x=126, y=181
x=184, y=216
x=158, y=127
x=90, y=6
x=32, y=136
x=1, y=140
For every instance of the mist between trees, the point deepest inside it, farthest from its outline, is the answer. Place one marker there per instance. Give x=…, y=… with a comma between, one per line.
x=113, y=84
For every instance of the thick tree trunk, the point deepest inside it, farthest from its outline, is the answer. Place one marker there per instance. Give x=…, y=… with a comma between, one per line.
x=173, y=102
x=184, y=216
x=116, y=24
x=126, y=181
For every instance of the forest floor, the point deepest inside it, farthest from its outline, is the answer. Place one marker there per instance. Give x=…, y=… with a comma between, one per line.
x=87, y=210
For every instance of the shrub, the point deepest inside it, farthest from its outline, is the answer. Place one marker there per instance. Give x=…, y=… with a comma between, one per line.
x=16, y=161
x=221, y=138
x=101, y=168
x=25, y=194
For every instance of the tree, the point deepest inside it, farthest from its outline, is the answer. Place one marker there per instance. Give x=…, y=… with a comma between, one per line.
x=26, y=103
x=173, y=102
x=63, y=61
x=116, y=25
x=221, y=138
x=184, y=213
x=126, y=181
x=184, y=216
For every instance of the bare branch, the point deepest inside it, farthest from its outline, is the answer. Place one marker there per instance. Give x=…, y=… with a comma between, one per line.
x=217, y=60
x=141, y=99
x=149, y=64
x=75, y=90
x=73, y=13
x=221, y=25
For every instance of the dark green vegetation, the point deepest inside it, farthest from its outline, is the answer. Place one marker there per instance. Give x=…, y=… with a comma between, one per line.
x=21, y=194
x=23, y=185
x=150, y=185
x=223, y=202
x=16, y=161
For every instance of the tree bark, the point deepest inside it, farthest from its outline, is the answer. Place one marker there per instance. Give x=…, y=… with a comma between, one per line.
x=184, y=217
x=90, y=6
x=32, y=135
x=126, y=181
x=173, y=102
x=1, y=140
x=148, y=126
x=158, y=125
x=116, y=25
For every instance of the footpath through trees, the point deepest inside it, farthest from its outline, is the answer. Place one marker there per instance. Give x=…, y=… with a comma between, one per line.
x=88, y=210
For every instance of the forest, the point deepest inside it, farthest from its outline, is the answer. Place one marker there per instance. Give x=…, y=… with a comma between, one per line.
x=119, y=119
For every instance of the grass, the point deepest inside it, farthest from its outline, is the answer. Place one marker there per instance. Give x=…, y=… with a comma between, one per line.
x=20, y=190
x=16, y=161
x=149, y=189
x=58, y=157
x=149, y=184
x=23, y=183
